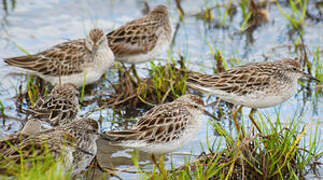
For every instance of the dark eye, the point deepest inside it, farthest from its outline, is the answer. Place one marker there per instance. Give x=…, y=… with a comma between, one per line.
x=294, y=69
x=196, y=106
x=94, y=131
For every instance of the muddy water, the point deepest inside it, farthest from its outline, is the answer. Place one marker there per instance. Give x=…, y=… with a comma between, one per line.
x=38, y=25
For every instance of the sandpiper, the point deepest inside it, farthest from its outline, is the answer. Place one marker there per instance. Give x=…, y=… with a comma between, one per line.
x=142, y=39
x=73, y=60
x=76, y=141
x=255, y=85
x=163, y=128
x=59, y=107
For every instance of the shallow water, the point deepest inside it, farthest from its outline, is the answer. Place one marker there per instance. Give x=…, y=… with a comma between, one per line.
x=38, y=25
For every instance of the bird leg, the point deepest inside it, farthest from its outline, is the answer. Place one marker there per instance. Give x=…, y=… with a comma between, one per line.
x=253, y=120
x=234, y=116
x=95, y=164
x=134, y=71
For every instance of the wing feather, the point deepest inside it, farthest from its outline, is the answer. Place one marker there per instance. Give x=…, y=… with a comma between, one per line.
x=137, y=36
x=234, y=80
x=65, y=59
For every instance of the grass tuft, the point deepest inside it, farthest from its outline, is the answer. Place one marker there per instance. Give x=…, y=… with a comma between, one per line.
x=163, y=84
x=33, y=165
x=298, y=14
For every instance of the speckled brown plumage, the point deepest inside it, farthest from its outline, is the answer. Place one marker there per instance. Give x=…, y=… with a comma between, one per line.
x=59, y=107
x=70, y=58
x=258, y=81
x=141, y=35
x=239, y=81
x=255, y=85
x=95, y=35
x=55, y=61
x=163, y=124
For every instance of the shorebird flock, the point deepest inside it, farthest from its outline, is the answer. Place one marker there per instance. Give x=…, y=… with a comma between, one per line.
x=162, y=129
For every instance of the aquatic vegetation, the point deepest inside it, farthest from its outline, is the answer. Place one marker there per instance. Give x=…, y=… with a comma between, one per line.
x=318, y=72
x=299, y=8
x=35, y=166
x=2, y=108
x=163, y=84
x=6, y=6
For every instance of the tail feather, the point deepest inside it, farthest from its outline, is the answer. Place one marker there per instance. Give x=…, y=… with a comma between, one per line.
x=119, y=136
x=21, y=61
x=200, y=82
x=198, y=78
x=196, y=86
x=32, y=63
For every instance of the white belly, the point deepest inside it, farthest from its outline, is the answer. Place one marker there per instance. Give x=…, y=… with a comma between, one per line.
x=77, y=79
x=258, y=99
